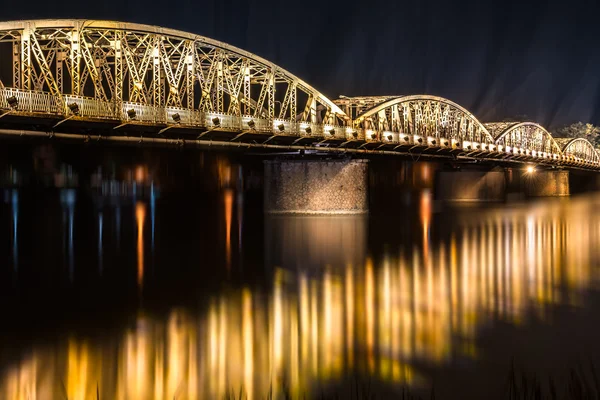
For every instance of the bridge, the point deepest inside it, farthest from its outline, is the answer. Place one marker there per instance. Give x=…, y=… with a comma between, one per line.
x=123, y=82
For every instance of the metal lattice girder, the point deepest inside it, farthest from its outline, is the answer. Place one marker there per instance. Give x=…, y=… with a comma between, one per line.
x=422, y=115
x=581, y=149
x=155, y=67
x=528, y=135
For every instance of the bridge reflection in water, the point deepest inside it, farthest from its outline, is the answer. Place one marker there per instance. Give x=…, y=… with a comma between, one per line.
x=332, y=309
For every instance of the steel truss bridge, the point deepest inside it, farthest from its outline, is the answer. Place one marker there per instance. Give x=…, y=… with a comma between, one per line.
x=131, y=82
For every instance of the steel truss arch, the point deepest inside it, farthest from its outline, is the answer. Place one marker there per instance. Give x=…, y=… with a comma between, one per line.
x=424, y=115
x=581, y=150
x=530, y=136
x=108, y=68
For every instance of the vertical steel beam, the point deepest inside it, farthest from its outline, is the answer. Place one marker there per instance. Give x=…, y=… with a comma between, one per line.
x=26, y=59
x=119, y=75
x=16, y=53
x=156, y=76
x=246, y=97
x=75, y=58
x=219, y=86
x=60, y=56
x=190, y=77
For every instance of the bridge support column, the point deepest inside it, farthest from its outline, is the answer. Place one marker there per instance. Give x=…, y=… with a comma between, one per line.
x=545, y=183
x=470, y=186
x=315, y=187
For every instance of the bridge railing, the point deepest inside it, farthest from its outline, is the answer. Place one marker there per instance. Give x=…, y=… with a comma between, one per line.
x=35, y=102
x=183, y=116
x=219, y=120
x=30, y=101
x=255, y=124
x=141, y=113
x=89, y=107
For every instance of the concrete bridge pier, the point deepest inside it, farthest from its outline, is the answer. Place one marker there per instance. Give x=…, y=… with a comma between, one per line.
x=312, y=186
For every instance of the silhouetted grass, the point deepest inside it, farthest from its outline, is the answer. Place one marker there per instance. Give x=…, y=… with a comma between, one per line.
x=580, y=384
x=359, y=391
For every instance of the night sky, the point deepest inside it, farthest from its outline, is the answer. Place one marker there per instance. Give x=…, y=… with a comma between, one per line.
x=535, y=60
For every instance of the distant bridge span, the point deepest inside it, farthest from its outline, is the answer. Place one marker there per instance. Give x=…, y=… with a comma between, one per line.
x=106, y=80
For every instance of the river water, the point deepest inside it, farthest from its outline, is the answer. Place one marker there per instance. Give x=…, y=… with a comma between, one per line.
x=138, y=273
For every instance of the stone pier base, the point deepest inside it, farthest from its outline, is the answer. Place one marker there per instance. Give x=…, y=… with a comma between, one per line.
x=315, y=187
x=470, y=186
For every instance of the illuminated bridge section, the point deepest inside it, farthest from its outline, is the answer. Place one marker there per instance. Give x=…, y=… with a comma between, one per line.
x=525, y=139
x=422, y=121
x=104, y=70
x=580, y=150
x=133, y=83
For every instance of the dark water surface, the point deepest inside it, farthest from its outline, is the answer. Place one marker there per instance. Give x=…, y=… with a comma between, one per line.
x=154, y=274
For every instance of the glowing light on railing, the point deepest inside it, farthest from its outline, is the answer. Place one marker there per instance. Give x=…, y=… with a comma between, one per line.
x=370, y=134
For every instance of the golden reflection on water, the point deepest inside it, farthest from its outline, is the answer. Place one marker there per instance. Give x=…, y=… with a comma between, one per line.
x=140, y=217
x=378, y=316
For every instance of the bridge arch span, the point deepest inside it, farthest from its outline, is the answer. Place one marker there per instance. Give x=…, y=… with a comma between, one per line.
x=580, y=150
x=426, y=116
x=124, y=71
x=529, y=136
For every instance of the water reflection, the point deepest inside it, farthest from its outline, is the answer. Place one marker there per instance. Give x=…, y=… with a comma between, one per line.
x=15, y=230
x=140, y=216
x=67, y=200
x=332, y=309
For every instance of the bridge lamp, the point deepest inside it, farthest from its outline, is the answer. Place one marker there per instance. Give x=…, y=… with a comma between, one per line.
x=389, y=138
x=308, y=130
x=420, y=140
x=12, y=102
x=445, y=143
x=530, y=169
x=332, y=132
x=281, y=127
x=131, y=113
x=354, y=134
x=216, y=121
x=74, y=107
x=251, y=124
x=176, y=117
x=406, y=138
x=433, y=142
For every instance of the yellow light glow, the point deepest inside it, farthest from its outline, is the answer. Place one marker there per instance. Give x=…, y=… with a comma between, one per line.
x=530, y=169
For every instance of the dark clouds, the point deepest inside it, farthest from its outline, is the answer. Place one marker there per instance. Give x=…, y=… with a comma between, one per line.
x=498, y=59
